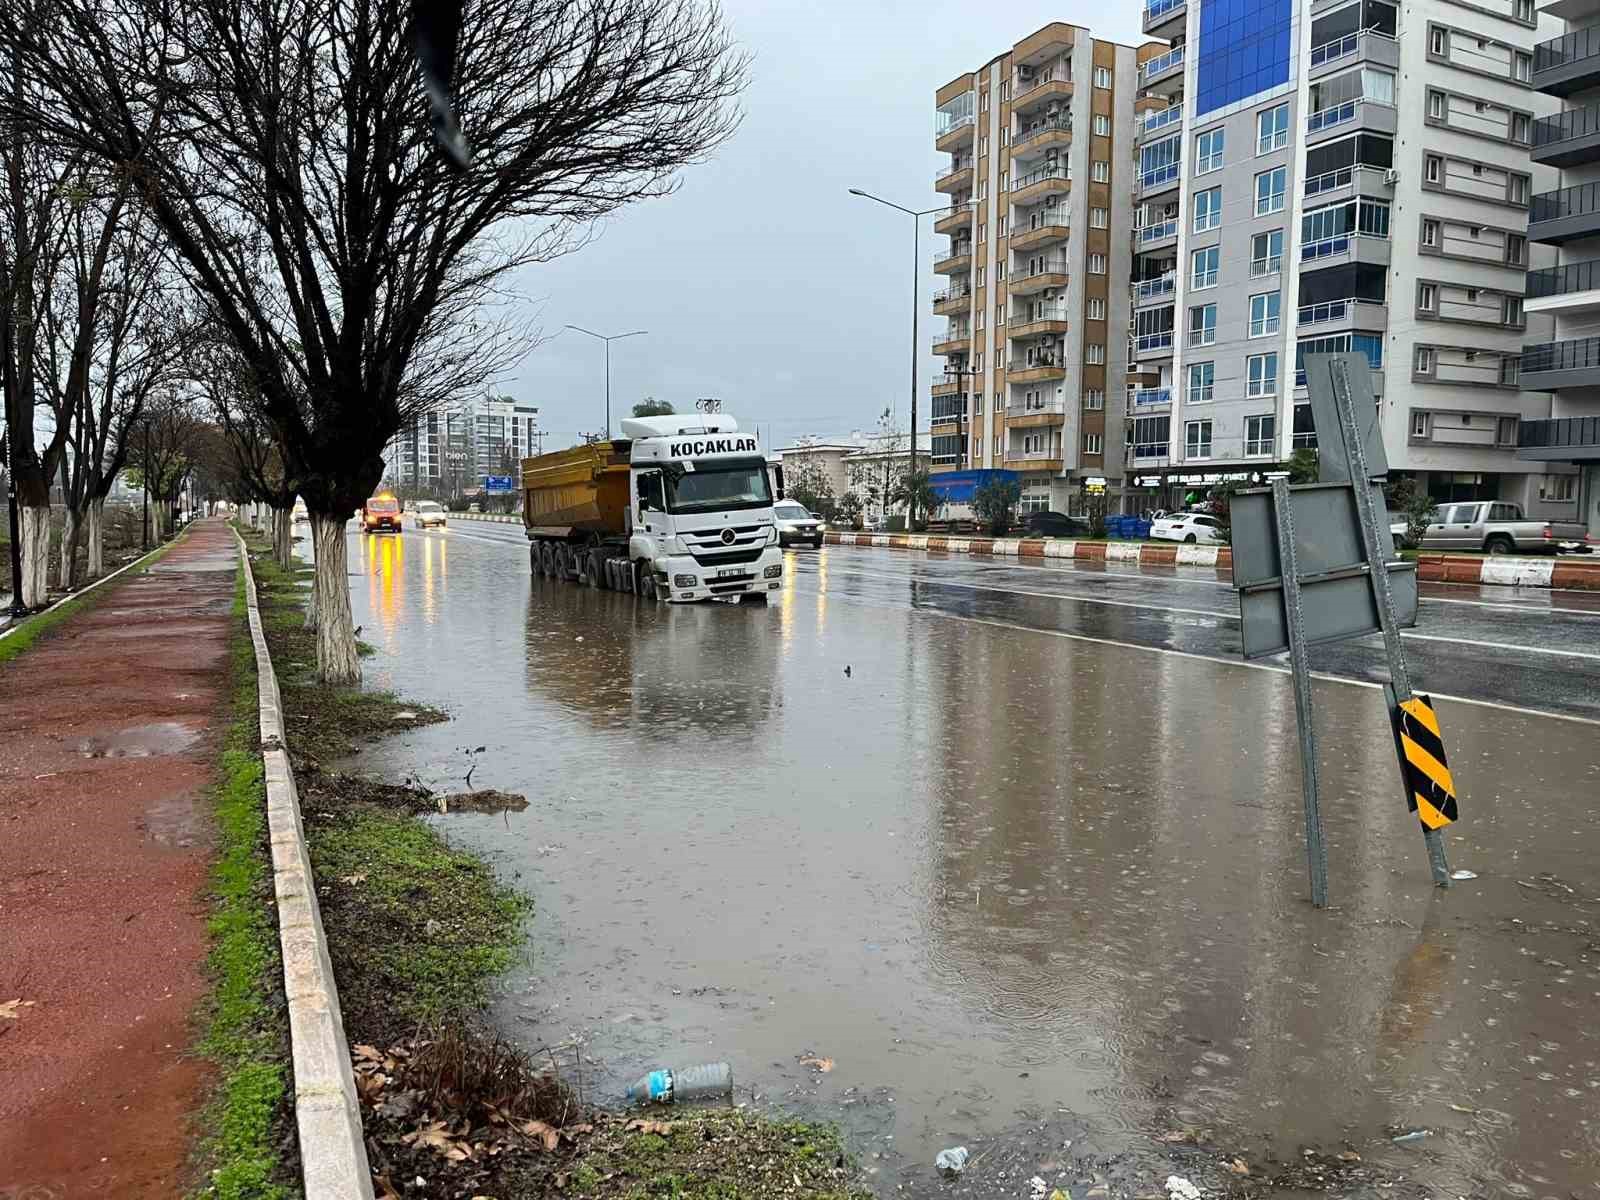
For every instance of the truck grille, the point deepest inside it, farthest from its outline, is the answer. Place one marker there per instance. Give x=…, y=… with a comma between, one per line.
x=707, y=545
x=728, y=558
x=731, y=584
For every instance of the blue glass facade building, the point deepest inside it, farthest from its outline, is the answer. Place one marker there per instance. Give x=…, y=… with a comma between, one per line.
x=1245, y=48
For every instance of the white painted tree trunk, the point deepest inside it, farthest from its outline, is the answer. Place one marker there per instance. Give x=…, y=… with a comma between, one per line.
x=97, y=538
x=283, y=537
x=35, y=530
x=69, y=549
x=337, y=660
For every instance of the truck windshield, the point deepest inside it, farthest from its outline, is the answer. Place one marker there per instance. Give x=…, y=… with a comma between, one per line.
x=719, y=484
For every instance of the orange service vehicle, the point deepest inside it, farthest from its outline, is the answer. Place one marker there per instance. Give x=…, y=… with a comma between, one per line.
x=380, y=513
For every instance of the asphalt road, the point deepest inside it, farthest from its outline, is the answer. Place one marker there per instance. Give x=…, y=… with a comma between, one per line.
x=1033, y=870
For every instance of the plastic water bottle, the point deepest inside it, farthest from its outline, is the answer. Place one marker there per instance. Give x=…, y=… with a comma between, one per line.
x=684, y=1083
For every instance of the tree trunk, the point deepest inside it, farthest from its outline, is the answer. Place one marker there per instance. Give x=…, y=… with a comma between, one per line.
x=35, y=530
x=283, y=537
x=337, y=661
x=97, y=541
x=69, y=550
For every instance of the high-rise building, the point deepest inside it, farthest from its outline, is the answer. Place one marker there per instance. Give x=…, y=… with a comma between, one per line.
x=1562, y=440
x=1321, y=176
x=1040, y=181
x=453, y=449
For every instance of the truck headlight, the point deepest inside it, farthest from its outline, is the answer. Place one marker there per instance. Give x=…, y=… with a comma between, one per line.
x=773, y=539
x=683, y=581
x=773, y=572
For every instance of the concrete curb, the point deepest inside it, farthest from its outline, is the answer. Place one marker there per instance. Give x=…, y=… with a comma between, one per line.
x=333, y=1151
x=1545, y=571
x=500, y=518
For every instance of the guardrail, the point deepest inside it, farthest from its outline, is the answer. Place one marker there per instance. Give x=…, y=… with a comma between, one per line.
x=1563, y=280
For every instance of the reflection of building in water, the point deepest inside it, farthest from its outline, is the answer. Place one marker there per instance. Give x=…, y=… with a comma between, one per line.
x=657, y=670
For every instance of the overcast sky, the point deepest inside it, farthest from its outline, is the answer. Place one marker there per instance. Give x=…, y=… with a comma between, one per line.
x=762, y=281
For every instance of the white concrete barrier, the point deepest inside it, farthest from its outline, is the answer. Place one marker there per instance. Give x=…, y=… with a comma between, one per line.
x=1060, y=549
x=1123, y=551
x=1010, y=546
x=1518, y=572
x=1198, y=556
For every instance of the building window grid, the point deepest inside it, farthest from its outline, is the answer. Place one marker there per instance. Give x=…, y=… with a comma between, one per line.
x=1208, y=151
x=1197, y=439
x=1265, y=314
x=1260, y=435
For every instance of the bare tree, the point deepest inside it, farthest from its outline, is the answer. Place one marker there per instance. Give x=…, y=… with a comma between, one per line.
x=163, y=450
x=245, y=454
x=283, y=146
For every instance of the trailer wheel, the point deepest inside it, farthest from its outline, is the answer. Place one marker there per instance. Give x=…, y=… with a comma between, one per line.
x=561, y=562
x=592, y=568
x=547, y=560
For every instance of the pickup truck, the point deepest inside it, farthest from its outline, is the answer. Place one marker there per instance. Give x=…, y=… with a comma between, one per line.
x=1498, y=527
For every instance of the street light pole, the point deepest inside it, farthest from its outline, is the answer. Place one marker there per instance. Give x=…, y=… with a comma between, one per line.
x=607, y=339
x=916, y=216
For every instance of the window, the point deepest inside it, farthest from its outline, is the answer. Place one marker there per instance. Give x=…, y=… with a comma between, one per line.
x=1094, y=399
x=1261, y=375
x=1369, y=344
x=1266, y=253
x=1438, y=41
x=1521, y=128
x=1202, y=383
x=1098, y=218
x=977, y=403
x=1424, y=364
x=1000, y=269
x=1005, y=137
x=1430, y=233
x=1510, y=369
x=1519, y=189
x=1427, y=297
x=1094, y=353
x=1094, y=443
x=1197, y=439
x=1102, y=125
x=1259, y=434
x=1419, y=428
x=1521, y=67
x=983, y=100
x=983, y=189
x=981, y=271
x=1208, y=151
x=1000, y=314
x=979, y=320
x=1272, y=129
x=1097, y=264
x=983, y=231
x=1005, y=89
x=1102, y=77
x=1511, y=310
x=1001, y=229
x=1004, y=181
x=1557, y=489
x=1433, y=168
x=1516, y=249
x=1100, y=171
x=983, y=145
x=977, y=362
x=1096, y=310
x=1264, y=314
x=1203, y=325
x=1208, y=210
x=1205, y=267
x=1270, y=187
x=1505, y=434
x=1525, y=10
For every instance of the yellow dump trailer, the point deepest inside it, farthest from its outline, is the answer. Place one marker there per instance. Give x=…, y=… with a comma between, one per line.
x=570, y=494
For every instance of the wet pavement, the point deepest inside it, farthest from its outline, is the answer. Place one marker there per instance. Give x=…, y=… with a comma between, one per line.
x=1011, y=874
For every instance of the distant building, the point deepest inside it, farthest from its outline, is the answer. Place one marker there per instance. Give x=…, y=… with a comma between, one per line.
x=868, y=464
x=452, y=450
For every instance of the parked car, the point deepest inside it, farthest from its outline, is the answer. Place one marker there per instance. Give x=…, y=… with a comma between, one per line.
x=796, y=525
x=1053, y=524
x=1186, y=527
x=1498, y=527
x=428, y=512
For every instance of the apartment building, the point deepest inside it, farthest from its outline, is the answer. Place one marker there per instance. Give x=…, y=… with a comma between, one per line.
x=1040, y=183
x=1332, y=175
x=1563, y=439
x=457, y=446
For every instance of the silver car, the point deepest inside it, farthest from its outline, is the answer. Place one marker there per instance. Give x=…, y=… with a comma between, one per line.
x=796, y=526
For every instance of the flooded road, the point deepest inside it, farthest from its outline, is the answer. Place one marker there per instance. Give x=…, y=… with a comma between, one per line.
x=1008, y=877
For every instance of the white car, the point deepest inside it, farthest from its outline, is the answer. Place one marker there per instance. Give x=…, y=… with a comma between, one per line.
x=1186, y=527
x=796, y=524
x=429, y=512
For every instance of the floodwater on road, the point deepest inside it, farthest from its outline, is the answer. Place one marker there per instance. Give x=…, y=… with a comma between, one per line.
x=1005, y=878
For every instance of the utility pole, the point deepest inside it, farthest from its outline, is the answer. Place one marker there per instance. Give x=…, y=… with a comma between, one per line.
x=18, y=609
x=146, y=488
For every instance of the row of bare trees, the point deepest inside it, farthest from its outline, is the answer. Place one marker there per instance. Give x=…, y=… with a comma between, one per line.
x=343, y=279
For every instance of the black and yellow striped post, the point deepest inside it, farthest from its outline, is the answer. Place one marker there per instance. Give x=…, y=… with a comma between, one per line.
x=1424, y=770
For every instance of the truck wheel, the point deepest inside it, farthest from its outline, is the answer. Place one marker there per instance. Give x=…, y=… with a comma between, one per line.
x=594, y=569
x=644, y=582
x=535, y=567
x=1499, y=544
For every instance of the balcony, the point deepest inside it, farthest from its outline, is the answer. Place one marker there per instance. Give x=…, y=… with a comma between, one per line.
x=1565, y=214
x=1151, y=345
x=1552, y=365
x=1348, y=313
x=956, y=219
x=954, y=179
x=1160, y=119
x=1050, y=271
x=1148, y=291
x=1040, y=185
x=1371, y=115
x=1362, y=45
x=1044, y=228
x=1039, y=369
x=1163, y=75
x=1560, y=439
x=1033, y=460
x=1567, y=139
x=1571, y=288
x=1342, y=247
x=950, y=387
x=1567, y=64
x=954, y=341
x=957, y=262
x=1162, y=235
x=952, y=412
x=1030, y=93
x=1165, y=18
x=1346, y=183
x=1042, y=319
x=1160, y=180
x=1151, y=397
x=957, y=132
x=1053, y=131
x=952, y=301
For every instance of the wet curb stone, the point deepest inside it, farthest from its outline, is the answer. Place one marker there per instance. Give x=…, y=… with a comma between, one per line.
x=333, y=1153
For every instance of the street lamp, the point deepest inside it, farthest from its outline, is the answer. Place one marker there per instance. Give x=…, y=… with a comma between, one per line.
x=607, y=340
x=916, y=254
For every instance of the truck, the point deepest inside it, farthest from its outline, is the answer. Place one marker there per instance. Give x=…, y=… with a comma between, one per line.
x=1498, y=527
x=679, y=509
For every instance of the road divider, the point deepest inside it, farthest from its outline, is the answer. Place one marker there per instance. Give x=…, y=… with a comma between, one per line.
x=1581, y=574
x=498, y=518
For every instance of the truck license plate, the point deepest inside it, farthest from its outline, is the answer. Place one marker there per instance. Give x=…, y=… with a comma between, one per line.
x=728, y=572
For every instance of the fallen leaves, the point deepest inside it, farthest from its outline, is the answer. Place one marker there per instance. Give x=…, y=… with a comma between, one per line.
x=816, y=1063
x=8, y=1008
x=1239, y=1167
x=547, y=1134
x=661, y=1127
x=352, y=880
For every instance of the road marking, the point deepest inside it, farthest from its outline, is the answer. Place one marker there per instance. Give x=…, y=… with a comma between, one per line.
x=1201, y=612
x=1206, y=658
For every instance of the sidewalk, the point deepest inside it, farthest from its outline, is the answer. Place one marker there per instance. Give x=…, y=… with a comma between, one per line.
x=107, y=754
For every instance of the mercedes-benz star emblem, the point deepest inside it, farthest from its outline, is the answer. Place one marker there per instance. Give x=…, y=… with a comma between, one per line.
x=727, y=537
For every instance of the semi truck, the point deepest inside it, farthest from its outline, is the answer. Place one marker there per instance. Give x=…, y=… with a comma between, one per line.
x=679, y=509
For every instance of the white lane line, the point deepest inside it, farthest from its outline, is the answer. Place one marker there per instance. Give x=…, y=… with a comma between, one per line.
x=834, y=598
x=1202, y=612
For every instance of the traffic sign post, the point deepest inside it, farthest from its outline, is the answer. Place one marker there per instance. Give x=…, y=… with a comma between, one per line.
x=499, y=485
x=1313, y=563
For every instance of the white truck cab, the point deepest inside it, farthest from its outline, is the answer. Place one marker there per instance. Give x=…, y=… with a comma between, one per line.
x=700, y=507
